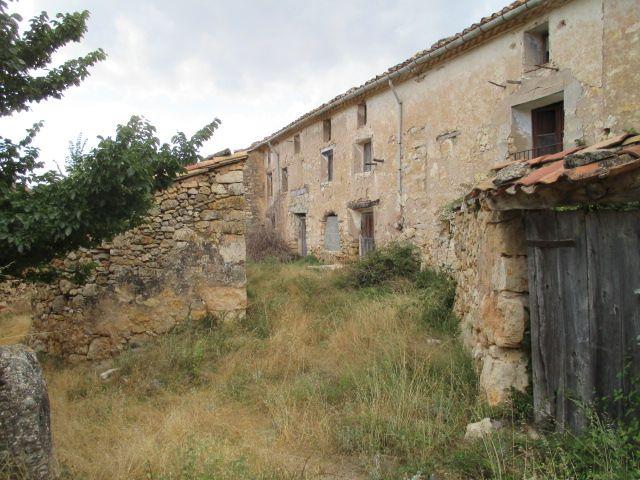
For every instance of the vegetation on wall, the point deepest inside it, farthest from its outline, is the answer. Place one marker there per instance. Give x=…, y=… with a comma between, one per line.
x=105, y=191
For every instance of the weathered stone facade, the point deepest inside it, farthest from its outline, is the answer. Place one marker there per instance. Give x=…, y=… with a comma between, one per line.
x=466, y=105
x=185, y=261
x=490, y=266
x=455, y=124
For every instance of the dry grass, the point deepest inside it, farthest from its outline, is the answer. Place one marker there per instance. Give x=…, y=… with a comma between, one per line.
x=14, y=327
x=319, y=381
x=15, y=314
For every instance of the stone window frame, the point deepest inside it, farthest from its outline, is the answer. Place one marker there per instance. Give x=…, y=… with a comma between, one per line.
x=284, y=179
x=360, y=165
x=328, y=164
x=326, y=130
x=362, y=114
x=536, y=46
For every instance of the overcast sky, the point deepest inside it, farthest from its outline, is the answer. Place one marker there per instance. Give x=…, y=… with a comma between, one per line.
x=256, y=65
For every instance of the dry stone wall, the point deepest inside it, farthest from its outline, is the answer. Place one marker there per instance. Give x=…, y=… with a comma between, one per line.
x=492, y=296
x=185, y=261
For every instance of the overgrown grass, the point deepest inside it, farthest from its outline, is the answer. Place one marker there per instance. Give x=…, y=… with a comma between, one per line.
x=324, y=378
x=317, y=381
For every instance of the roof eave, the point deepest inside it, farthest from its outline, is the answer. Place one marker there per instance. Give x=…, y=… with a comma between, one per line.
x=459, y=40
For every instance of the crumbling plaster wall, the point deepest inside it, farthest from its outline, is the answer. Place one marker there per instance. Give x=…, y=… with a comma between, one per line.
x=185, y=261
x=457, y=125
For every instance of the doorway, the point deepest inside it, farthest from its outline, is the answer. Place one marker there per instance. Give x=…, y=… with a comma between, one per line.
x=367, y=233
x=584, y=294
x=302, y=234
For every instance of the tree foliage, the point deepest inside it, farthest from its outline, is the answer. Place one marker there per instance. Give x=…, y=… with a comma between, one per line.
x=106, y=190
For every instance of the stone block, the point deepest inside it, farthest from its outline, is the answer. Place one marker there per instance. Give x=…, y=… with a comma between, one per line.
x=502, y=370
x=210, y=215
x=25, y=427
x=230, y=177
x=510, y=274
x=506, y=238
x=504, y=317
x=223, y=298
x=99, y=348
x=233, y=249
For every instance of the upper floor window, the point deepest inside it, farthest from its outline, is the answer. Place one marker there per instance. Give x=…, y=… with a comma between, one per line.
x=328, y=164
x=269, y=184
x=326, y=130
x=296, y=143
x=536, y=46
x=362, y=114
x=285, y=179
x=367, y=156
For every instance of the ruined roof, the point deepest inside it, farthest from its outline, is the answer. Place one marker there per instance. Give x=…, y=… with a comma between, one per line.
x=453, y=44
x=215, y=161
x=570, y=168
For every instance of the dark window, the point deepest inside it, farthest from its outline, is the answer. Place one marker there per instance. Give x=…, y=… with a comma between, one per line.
x=544, y=38
x=296, y=143
x=367, y=240
x=536, y=46
x=285, y=179
x=326, y=130
x=269, y=185
x=367, y=157
x=547, y=126
x=328, y=158
x=362, y=114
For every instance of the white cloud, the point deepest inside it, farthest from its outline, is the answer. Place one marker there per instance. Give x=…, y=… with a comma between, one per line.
x=256, y=65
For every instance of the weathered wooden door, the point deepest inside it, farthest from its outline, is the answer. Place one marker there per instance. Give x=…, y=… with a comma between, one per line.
x=367, y=239
x=302, y=235
x=584, y=283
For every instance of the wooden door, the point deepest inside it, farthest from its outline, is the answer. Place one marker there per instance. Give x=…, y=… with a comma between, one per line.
x=584, y=286
x=367, y=237
x=547, y=125
x=302, y=235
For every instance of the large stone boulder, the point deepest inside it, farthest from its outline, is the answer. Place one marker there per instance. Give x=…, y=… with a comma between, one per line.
x=25, y=431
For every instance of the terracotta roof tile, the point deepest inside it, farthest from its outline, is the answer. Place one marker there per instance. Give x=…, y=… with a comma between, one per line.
x=552, y=169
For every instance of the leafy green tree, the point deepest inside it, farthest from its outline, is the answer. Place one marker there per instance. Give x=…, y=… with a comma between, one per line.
x=106, y=190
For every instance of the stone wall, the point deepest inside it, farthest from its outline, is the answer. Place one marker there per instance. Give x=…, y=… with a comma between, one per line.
x=490, y=267
x=185, y=261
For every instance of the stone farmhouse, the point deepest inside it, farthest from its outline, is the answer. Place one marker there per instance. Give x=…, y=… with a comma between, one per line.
x=451, y=148
x=382, y=160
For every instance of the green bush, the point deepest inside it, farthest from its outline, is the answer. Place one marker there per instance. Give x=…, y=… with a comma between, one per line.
x=395, y=260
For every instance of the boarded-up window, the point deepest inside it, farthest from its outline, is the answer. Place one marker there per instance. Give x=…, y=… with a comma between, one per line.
x=326, y=130
x=367, y=157
x=296, y=143
x=269, y=185
x=332, y=234
x=362, y=114
x=328, y=164
x=285, y=179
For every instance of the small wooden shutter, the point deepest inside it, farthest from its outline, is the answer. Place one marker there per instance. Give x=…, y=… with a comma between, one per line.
x=367, y=157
